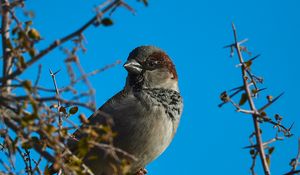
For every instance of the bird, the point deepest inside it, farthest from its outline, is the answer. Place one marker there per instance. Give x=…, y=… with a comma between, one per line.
x=144, y=115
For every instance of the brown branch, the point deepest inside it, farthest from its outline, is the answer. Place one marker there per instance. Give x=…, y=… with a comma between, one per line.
x=29, y=160
x=253, y=163
x=47, y=99
x=38, y=76
x=238, y=90
x=252, y=106
x=5, y=165
x=115, y=149
x=16, y=3
x=83, y=77
x=7, y=58
x=58, y=101
x=36, y=168
x=265, y=144
x=26, y=160
x=59, y=42
x=87, y=82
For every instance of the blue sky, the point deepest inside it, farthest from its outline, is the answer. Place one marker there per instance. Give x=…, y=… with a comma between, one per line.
x=209, y=139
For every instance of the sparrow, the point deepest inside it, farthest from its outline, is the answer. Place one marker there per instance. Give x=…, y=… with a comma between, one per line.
x=145, y=114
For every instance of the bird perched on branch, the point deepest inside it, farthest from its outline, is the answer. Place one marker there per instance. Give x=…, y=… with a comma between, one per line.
x=145, y=114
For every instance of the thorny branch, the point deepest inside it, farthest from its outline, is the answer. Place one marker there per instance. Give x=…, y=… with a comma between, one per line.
x=250, y=90
x=252, y=106
x=58, y=100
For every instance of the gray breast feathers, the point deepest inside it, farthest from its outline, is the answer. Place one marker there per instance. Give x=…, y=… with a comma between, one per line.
x=169, y=99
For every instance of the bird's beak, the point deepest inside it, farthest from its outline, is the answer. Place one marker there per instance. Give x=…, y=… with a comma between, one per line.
x=132, y=66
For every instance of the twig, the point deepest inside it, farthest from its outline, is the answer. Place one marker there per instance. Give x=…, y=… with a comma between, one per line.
x=37, y=163
x=26, y=160
x=47, y=99
x=101, y=69
x=115, y=149
x=87, y=82
x=82, y=77
x=29, y=160
x=68, y=87
x=38, y=76
x=252, y=106
x=238, y=90
x=245, y=111
x=253, y=163
x=58, y=100
x=5, y=165
x=16, y=3
x=265, y=144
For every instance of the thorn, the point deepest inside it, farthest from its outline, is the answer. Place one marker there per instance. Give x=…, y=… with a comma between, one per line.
x=289, y=129
x=238, y=65
x=51, y=73
x=243, y=41
x=233, y=45
x=252, y=59
x=248, y=147
x=270, y=102
x=259, y=90
x=57, y=71
x=237, y=88
x=228, y=46
x=233, y=26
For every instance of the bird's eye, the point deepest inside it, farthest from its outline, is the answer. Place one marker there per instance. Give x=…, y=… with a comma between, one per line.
x=151, y=64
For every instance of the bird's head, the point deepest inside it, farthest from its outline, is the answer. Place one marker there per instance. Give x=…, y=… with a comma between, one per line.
x=150, y=67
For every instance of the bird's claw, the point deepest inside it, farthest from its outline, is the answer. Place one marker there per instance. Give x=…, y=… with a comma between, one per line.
x=142, y=171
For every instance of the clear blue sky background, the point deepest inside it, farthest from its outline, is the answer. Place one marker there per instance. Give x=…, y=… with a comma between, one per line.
x=209, y=139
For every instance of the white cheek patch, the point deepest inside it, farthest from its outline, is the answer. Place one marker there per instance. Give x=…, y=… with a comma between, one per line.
x=160, y=79
x=171, y=83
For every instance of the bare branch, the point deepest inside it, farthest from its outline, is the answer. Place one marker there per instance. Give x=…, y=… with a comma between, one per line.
x=253, y=163
x=115, y=149
x=251, y=104
x=38, y=76
x=58, y=101
x=7, y=58
x=36, y=168
x=245, y=111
